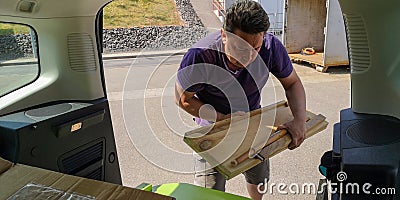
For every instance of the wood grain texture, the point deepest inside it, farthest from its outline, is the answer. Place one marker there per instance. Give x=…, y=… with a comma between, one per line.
x=315, y=125
x=316, y=59
x=227, y=140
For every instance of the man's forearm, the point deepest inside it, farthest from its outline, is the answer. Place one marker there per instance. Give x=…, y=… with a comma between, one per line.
x=198, y=109
x=192, y=105
x=297, y=101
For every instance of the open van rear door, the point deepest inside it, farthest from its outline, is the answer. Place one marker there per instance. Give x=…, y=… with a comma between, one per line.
x=54, y=111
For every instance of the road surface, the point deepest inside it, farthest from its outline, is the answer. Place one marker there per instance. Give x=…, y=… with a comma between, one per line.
x=144, y=109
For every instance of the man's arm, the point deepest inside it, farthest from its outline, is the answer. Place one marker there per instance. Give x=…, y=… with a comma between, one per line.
x=191, y=104
x=297, y=102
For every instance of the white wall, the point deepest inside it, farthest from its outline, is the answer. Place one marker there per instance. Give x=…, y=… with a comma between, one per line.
x=274, y=8
x=228, y=3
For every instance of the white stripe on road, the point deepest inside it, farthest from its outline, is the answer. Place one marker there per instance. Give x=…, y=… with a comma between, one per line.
x=141, y=94
x=169, y=91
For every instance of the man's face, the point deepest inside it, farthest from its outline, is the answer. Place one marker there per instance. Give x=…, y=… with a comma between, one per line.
x=241, y=48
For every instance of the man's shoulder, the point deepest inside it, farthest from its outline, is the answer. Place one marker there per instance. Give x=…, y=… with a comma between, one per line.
x=271, y=41
x=207, y=49
x=211, y=41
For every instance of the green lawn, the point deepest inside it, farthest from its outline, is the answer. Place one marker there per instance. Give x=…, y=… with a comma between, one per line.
x=7, y=29
x=124, y=14
x=133, y=13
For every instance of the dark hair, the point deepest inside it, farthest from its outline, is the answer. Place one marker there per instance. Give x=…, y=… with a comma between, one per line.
x=247, y=16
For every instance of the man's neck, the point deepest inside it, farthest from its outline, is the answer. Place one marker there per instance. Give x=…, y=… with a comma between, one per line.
x=232, y=66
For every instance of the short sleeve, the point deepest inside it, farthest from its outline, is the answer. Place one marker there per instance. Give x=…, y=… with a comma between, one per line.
x=281, y=66
x=191, y=74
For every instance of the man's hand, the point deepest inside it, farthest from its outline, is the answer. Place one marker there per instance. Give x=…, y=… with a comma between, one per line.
x=297, y=130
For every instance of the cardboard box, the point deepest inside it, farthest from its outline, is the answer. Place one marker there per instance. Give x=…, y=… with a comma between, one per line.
x=21, y=179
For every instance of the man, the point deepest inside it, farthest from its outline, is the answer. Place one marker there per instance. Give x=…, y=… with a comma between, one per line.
x=219, y=70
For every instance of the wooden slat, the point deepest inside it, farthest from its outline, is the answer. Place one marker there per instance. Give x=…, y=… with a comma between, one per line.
x=218, y=131
x=225, y=142
x=223, y=124
x=314, y=126
x=316, y=59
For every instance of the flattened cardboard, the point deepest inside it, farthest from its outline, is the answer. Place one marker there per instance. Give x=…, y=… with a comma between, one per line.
x=14, y=177
x=34, y=191
x=4, y=165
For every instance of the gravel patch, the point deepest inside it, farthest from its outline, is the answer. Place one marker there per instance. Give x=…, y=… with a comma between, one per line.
x=126, y=39
x=157, y=37
x=15, y=46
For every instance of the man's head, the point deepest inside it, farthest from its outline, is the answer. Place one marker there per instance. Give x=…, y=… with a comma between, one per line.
x=243, y=30
x=247, y=16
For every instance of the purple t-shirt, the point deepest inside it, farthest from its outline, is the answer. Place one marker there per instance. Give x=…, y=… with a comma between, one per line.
x=204, y=70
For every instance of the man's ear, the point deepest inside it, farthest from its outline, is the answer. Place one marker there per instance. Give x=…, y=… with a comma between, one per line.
x=223, y=36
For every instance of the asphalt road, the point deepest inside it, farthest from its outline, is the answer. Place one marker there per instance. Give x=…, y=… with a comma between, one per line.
x=13, y=76
x=148, y=126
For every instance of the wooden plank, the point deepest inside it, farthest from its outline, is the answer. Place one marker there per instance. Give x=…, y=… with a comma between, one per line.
x=223, y=124
x=316, y=59
x=227, y=140
x=253, y=151
x=316, y=124
x=216, y=132
x=239, y=136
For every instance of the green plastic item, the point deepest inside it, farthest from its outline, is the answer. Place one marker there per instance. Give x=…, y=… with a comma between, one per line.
x=185, y=191
x=145, y=186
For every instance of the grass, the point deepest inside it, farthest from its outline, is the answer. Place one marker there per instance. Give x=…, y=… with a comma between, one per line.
x=139, y=13
x=7, y=29
x=124, y=14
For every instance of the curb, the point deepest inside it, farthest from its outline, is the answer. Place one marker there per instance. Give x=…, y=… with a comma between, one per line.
x=111, y=56
x=7, y=64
